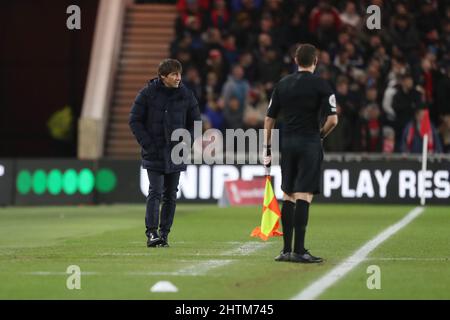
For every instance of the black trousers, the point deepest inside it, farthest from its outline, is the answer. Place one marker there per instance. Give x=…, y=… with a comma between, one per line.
x=163, y=189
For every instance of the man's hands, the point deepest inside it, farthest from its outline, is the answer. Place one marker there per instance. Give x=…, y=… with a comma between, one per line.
x=267, y=158
x=269, y=124
x=329, y=125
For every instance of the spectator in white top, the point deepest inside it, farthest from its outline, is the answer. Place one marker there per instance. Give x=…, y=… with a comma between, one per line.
x=350, y=15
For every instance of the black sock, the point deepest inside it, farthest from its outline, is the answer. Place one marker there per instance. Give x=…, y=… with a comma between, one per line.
x=300, y=223
x=287, y=220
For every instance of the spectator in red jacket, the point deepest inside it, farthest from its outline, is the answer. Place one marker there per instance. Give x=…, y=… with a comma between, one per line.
x=324, y=21
x=219, y=16
x=316, y=17
x=412, y=140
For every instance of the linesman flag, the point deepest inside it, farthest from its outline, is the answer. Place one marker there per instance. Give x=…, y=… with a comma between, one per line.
x=425, y=129
x=270, y=221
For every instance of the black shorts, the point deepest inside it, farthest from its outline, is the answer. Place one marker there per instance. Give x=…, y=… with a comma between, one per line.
x=301, y=166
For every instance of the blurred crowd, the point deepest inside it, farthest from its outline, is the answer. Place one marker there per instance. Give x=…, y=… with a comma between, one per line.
x=234, y=52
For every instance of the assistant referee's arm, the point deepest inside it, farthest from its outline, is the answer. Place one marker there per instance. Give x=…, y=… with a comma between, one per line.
x=329, y=125
x=272, y=112
x=328, y=105
x=269, y=124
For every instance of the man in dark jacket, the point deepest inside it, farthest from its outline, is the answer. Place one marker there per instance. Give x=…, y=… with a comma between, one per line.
x=405, y=102
x=161, y=107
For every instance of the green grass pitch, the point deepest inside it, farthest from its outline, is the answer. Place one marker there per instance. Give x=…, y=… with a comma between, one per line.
x=212, y=255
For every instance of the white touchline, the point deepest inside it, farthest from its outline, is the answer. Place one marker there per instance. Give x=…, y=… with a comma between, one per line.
x=318, y=287
x=201, y=268
x=246, y=248
x=198, y=269
x=56, y=273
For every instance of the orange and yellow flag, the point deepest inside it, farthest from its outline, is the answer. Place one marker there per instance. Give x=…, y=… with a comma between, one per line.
x=270, y=217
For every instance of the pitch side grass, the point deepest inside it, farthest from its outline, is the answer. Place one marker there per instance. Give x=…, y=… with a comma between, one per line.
x=212, y=255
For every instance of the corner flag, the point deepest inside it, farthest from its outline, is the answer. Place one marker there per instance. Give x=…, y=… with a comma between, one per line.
x=428, y=144
x=425, y=130
x=425, y=124
x=271, y=215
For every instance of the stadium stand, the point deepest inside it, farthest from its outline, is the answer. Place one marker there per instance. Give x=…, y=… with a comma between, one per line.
x=240, y=49
x=146, y=36
x=234, y=52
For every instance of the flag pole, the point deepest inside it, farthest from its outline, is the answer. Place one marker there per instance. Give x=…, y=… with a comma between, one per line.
x=267, y=171
x=424, y=169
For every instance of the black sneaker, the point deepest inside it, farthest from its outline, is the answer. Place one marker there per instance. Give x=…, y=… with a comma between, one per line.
x=305, y=258
x=164, y=241
x=154, y=240
x=283, y=256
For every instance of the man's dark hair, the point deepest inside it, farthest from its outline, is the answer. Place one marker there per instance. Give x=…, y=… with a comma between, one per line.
x=306, y=54
x=168, y=66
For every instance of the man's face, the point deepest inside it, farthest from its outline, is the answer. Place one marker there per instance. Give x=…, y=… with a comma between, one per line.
x=172, y=80
x=419, y=115
x=238, y=73
x=408, y=83
x=325, y=58
x=342, y=88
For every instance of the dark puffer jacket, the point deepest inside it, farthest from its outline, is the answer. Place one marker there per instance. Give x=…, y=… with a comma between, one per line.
x=157, y=111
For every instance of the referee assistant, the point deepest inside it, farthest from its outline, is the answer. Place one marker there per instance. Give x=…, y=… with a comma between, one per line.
x=300, y=98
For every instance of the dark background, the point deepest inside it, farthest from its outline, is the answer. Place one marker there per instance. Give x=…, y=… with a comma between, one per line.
x=43, y=67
